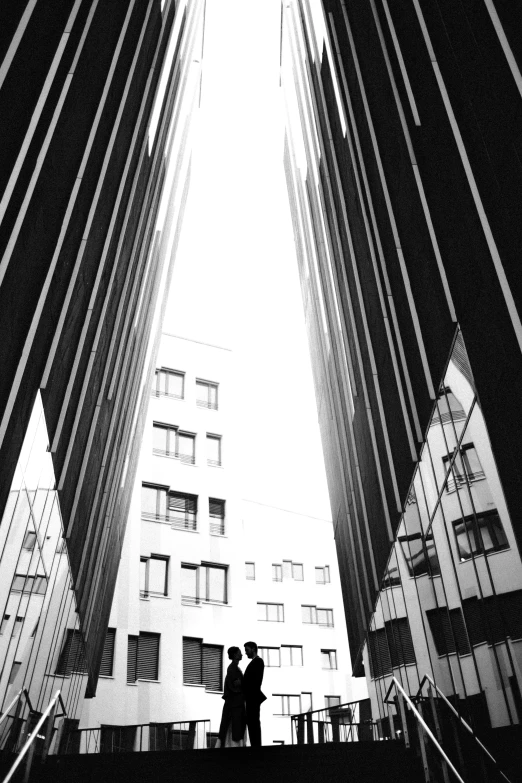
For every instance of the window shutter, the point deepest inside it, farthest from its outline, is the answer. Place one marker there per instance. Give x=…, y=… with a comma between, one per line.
x=511, y=606
x=449, y=631
x=216, y=508
x=474, y=621
x=108, y=653
x=459, y=632
x=212, y=665
x=380, y=662
x=132, y=656
x=192, y=660
x=72, y=658
x=148, y=655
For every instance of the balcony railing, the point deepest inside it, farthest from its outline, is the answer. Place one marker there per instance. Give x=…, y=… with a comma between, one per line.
x=349, y=722
x=179, y=735
x=187, y=459
x=180, y=523
x=217, y=527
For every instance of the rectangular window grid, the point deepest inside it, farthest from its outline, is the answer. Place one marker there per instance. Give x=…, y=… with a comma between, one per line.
x=170, y=441
x=206, y=394
x=271, y=613
x=316, y=616
x=250, y=570
x=328, y=659
x=291, y=655
x=154, y=575
x=270, y=655
x=465, y=467
x=203, y=583
x=287, y=703
x=169, y=383
x=277, y=572
x=479, y=533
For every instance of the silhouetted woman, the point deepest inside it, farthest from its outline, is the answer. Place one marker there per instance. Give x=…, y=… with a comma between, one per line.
x=232, y=730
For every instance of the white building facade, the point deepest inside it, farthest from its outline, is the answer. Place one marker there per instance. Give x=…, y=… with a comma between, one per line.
x=203, y=570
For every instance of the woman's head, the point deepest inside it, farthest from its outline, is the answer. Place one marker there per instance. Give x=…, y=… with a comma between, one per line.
x=234, y=653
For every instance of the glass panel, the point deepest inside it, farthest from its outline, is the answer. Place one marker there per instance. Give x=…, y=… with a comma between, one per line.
x=277, y=573
x=159, y=438
x=297, y=656
x=286, y=659
x=213, y=449
x=216, y=584
x=186, y=445
x=306, y=702
x=325, y=659
x=297, y=570
x=273, y=656
x=273, y=614
x=250, y=570
x=149, y=500
x=29, y=540
x=294, y=703
x=189, y=583
x=161, y=380
x=261, y=611
x=157, y=575
x=307, y=614
x=212, y=396
x=175, y=384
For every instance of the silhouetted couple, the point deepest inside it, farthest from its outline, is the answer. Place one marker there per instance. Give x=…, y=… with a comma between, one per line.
x=243, y=699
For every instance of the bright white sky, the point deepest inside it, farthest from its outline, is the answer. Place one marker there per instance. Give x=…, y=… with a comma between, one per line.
x=235, y=279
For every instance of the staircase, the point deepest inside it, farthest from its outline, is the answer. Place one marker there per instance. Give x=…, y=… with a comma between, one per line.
x=353, y=762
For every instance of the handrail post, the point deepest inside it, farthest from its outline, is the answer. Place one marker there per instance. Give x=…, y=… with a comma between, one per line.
x=30, y=754
x=422, y=745
x=49, y=731
x=391, y=721
x=437, y=729
x=403, y=720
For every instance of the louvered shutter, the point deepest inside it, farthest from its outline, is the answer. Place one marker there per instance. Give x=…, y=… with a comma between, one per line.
x=108, y=653
x=72, y=658
x=380, y=662
x=212, y=665
x=148, y=656
x=192, y=660
x=216, y=508
x=132, y=656
x=183, y=509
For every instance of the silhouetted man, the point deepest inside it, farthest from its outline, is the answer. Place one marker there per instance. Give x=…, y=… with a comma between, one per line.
x=253, y=696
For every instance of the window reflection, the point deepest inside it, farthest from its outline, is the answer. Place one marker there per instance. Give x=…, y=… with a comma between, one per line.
x=420, y=554
x=448, y=408
x=480, y=533
x=466, y=467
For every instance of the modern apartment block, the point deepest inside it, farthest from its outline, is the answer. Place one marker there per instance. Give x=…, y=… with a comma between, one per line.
x=203, y=570
x=404, y=177
x=96, y=104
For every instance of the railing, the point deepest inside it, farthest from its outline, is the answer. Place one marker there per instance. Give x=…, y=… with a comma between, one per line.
x=349, y=722
x=436, y=739
x=32, y=742
x=217, y=528
x=179, y=735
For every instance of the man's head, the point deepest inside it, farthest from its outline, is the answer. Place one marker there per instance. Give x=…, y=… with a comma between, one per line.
x=250, y=649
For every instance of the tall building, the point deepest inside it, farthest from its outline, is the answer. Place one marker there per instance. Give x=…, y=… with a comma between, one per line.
x=203, y=569
x=403, y=168
x=96, y=103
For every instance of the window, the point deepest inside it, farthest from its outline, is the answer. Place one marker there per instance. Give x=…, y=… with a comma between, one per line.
x=392, y=575
x=117, y=739
x=203, y=583
x=214, y=450
x=316, y=616
x=306, y=702
x=287, y=704
x=206, y=394
x=466, y=467
x=177, y=508
x=480, y=533
x=250, y=569
x=29, y=540
x=169, y=383
x=183, y=510
x=297, y=572
x=322, y=575
x=154, y=575
x=212, y=737
x=5, y=620
x=494, y=618
x=270, y=655
x=329, y=659
x=169, y=441
x=216, y=510
x=202, y=664
x=17, y=627
x=272, y=613
x=277, y=572
x=30, y=584
x=332, y=702
x=389, y=647
x=14, y=671
x=107, y=662
x=448, y=408
x=448, y=630
x=143, y=657
x=420, y=554
x=291, y=655
x=72, y=657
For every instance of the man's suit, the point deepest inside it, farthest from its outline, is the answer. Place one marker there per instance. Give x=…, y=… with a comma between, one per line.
x=254, y=697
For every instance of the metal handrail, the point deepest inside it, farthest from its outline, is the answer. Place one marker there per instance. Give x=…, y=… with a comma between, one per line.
x=422, y=722
x=51, y=708
x=461, y=719
x=327, y=709
x=4, y=715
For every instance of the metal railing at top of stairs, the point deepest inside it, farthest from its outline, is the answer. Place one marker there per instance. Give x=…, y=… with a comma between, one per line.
x=461, y=720
x=422, y=726
x=29, y=746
